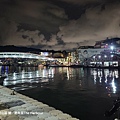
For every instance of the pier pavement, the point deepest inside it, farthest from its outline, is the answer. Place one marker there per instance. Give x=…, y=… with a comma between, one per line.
x=15, y=106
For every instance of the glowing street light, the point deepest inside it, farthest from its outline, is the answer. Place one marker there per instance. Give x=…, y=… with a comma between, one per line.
x=105, y=56
x=99, y=56
x=111, y=47
x=111, y=55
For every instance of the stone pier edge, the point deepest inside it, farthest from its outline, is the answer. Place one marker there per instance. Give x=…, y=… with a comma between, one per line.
x=30, y=104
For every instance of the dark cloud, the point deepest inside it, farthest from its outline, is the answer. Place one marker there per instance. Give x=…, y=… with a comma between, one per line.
x=96, y=24
x=25, y=36
x=58, y=24
x=30, y=15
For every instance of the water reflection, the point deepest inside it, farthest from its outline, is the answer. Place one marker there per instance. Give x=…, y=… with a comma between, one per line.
x=78, y=78
x=25, y=78
x=106, y=77
x=74, y=89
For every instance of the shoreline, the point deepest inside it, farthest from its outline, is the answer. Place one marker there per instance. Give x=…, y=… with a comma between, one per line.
x=15, y=106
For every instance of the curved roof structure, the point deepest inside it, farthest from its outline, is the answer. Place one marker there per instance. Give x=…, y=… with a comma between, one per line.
x=23, y=55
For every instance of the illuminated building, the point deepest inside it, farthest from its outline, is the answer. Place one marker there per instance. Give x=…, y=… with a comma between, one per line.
x=103, y=54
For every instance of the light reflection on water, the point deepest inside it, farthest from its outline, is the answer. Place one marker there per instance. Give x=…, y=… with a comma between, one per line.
x=83, y=93
x=107, y=77
x=25, y=77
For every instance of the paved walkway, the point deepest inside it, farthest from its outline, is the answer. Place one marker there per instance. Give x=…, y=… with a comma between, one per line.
x=15, y=106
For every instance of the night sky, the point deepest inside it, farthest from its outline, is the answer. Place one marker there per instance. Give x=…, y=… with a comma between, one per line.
x=58, y=24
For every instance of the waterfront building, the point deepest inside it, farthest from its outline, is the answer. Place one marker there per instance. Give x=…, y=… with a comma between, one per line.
x=103, y=54
x=108, y=42
x=72, y=57
x=60, y=59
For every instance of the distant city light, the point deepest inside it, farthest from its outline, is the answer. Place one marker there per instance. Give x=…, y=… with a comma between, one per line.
x=111, y=47
x=111, y=55
x=99, y=56
x=105, y=56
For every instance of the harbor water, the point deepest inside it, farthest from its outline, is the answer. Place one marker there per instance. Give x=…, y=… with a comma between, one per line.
x=84, y=93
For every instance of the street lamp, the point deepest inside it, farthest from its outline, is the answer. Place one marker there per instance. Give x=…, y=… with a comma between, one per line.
x=111, y=47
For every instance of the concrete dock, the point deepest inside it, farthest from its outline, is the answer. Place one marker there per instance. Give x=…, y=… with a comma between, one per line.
x=15, y=106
